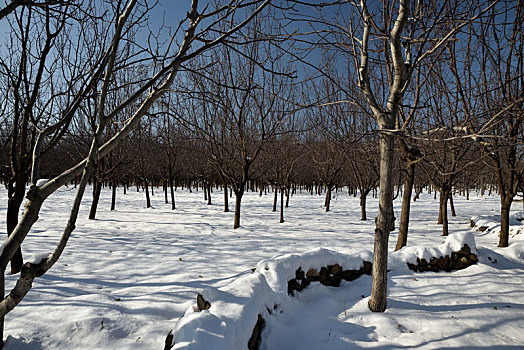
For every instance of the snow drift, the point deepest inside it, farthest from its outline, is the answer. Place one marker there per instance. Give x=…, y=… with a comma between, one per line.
x=234, y=309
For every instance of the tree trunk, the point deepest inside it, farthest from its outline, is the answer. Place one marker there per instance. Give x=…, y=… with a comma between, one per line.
x=451, y=206
x=148, y=200
x=113, y=196
x=13, y=208
x=441, y=205
x=164, y=185
x=281, y=204
x=96, y=197
x=226, y=200
x=275, y=196
x=238, y=201
x=288, y=189
x=504, y=220
x=208, y=193
x=363, y=196
x=328, y=198
x=2, y=318
x=173, y=207
x=385, y=221
x=402, y=238
x=443, y=211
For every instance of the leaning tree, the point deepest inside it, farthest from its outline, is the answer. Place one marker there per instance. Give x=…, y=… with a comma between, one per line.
x=93, y=54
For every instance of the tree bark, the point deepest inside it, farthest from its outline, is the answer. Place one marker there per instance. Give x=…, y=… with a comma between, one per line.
x=402, y=238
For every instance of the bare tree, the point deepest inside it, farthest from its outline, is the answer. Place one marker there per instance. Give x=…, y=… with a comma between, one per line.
x=240, y=106
x=119, y=17
x=407, y=34
x=489, y=76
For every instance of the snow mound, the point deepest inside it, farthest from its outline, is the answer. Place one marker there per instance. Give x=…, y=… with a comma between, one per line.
x=281, y=268
x=516, y=250
x=454, y=242
x=229, y=322
x=491, y=223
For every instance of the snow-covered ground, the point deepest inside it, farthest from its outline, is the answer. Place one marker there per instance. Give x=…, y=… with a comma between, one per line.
x=127, y=277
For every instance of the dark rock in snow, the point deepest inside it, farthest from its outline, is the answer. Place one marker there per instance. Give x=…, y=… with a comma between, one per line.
x=202, y=304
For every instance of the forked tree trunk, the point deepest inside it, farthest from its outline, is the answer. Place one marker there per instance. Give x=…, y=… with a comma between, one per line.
x=402, y=238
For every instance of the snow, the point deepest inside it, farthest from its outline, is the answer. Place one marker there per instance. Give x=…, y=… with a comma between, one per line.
x=41, y=182
x=235, y=308
x=491, y=223
x=281, y=269
x=37, y=258
x=454, y=242
x=127, y=278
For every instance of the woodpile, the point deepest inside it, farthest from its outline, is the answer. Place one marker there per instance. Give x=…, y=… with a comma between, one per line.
x=457, y=261
x=331, y=275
